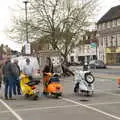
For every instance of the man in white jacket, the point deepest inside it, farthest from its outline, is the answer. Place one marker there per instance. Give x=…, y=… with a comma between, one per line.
x=28, y=69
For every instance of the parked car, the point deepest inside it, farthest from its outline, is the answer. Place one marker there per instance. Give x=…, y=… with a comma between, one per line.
x=97, y=64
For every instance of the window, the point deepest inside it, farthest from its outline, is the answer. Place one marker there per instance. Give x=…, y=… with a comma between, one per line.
x=100, y=26
x=105, y=41
x=109, y=41
x=103, y=25
x=101, y=41
x=118, y=22
x=114, y=23
x=109, y=24
x=113, y=39
x=118, y=39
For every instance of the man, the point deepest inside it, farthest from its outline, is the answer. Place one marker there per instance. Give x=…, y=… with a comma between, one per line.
x=16, y=78
x=8, y=72
x=28, y=69
x=48, y=68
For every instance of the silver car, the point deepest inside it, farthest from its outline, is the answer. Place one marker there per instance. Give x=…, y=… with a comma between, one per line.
x=97, y=64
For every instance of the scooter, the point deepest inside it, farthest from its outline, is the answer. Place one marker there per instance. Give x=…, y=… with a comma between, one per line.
x=118, y=82
x=83, y=82
x=53, y=86
x=29, y=88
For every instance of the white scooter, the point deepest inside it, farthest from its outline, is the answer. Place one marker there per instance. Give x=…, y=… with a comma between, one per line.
x=83, y=82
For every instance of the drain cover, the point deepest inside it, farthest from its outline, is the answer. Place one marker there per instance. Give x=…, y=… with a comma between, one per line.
x=84, y=100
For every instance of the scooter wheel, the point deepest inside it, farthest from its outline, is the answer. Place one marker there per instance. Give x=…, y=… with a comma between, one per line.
x=89, y=78
x=27, y=95
x=35, y=97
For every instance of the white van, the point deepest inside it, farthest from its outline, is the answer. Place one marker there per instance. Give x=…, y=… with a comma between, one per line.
x=33, y=60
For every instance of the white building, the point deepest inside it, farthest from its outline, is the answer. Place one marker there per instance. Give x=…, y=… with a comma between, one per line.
x=87, y=49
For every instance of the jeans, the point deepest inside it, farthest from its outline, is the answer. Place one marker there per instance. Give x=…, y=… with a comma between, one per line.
x=8, y=86
x=16, y=86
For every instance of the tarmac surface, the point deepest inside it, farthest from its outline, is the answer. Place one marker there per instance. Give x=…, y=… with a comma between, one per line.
x=103, y=105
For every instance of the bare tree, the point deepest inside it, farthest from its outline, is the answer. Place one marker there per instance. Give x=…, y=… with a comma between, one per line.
x=60, y=22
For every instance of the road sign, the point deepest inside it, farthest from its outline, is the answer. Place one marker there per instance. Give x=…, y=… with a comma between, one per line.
x=93, y=45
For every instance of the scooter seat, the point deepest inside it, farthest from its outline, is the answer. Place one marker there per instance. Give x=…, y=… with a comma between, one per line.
x=34, y=82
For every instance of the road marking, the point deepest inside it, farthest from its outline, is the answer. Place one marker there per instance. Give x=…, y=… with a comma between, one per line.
x=42, y=108
x=92, y=108
x=105, y=103
x=11, y=110
x=114, y=94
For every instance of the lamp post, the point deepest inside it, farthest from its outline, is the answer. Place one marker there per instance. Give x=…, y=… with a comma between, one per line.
x=26, y=20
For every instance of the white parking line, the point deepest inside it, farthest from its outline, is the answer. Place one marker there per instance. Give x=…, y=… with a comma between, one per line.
x=42, y=108
x=104, y=103
x=92, y=108
x=11, y=110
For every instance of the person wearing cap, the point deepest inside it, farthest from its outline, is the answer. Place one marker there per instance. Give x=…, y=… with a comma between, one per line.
x=28, y=69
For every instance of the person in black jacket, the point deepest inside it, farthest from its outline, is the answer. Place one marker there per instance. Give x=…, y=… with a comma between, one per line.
x=48, y=68
x=9, y=73
x=16, y=78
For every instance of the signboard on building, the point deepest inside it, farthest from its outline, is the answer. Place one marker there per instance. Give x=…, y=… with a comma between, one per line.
x=113, y=50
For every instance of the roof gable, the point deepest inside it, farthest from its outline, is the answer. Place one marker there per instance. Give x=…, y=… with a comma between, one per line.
x=112, y=14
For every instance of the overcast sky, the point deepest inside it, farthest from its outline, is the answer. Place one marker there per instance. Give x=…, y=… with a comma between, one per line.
x=6, y=14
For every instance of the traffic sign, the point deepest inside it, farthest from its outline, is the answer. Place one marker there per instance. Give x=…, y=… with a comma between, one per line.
x=93, y=45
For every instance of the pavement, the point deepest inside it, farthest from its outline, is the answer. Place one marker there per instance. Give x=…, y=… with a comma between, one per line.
x=113, y=66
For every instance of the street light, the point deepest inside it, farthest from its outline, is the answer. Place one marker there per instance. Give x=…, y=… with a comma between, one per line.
x=27, y=47
x=26, y=20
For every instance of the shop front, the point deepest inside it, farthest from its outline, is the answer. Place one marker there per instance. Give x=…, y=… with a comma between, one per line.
x=112, y=55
